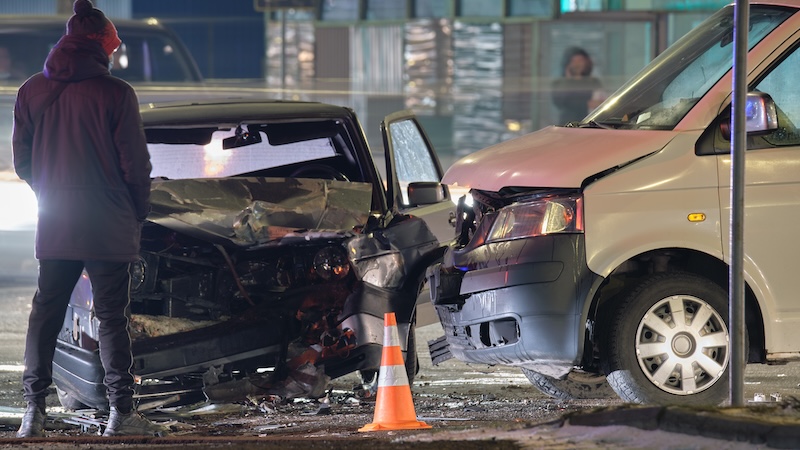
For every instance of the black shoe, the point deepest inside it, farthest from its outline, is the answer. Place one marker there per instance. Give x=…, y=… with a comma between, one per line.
x=131, y=424
x=32, y=422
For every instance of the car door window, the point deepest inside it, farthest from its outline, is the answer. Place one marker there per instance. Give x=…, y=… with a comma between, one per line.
x=412, y=156
x=413, y=159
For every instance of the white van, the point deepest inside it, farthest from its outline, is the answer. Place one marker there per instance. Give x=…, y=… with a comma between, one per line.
x=600, y=249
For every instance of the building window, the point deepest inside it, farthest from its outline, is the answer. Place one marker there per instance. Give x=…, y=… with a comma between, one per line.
x=383, y=10
x=538, y=8
x=480, y=8
x=432, y=8
x=294, y=15
x=340, y=10
x=581, y=5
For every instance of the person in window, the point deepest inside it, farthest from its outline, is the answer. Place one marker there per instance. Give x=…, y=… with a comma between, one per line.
x=78, y=141
x=577, y=92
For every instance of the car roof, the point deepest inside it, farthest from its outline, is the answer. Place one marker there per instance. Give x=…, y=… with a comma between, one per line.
x=237, y=111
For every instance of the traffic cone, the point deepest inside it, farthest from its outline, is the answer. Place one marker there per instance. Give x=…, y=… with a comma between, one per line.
x=394, y=409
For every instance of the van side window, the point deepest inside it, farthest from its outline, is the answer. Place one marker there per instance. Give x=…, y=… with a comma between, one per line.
x=781, y=84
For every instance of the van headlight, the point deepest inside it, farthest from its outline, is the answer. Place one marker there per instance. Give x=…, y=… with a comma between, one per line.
x=561, y=214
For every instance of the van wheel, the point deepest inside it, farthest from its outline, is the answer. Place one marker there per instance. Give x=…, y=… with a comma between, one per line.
x=68, y=401
x=576, y=385
x=668, y=342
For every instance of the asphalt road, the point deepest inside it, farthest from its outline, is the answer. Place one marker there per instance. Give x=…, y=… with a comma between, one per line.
x=782, y=379
x=460, y=401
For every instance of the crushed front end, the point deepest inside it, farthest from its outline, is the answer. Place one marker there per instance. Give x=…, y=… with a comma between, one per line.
x=512, y=289
x=240, y=294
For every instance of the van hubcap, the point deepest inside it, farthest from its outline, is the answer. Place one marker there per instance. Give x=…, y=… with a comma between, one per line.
x=682, y=345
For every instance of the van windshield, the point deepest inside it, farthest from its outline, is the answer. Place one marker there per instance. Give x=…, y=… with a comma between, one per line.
x=660, y=95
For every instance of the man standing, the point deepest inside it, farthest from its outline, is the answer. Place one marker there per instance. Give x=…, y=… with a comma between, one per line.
x=79, y=143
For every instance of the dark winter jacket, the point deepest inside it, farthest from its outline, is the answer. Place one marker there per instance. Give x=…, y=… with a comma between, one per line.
x=86, y=158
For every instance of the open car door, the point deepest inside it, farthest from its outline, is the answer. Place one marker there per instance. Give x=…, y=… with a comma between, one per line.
x=414, y=187
x=414, y=174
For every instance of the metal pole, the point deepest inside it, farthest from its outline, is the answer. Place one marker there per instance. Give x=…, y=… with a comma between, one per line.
x=738, y=145
x=283, y=53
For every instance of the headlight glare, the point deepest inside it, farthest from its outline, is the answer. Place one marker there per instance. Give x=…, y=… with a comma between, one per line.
x=537, y=218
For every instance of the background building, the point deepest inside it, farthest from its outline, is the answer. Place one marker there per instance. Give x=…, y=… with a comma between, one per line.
x=476, y=71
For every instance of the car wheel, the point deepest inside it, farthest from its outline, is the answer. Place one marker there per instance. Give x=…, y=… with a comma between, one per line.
x=669, y=343
x=412, y=361
x=68, y=401
x=576, y=385
x=369, y=377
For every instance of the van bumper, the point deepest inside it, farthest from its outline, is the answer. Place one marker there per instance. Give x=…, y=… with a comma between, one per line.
x=518, y=302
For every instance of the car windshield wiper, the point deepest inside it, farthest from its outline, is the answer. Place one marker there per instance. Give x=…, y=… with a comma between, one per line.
x=595, y=124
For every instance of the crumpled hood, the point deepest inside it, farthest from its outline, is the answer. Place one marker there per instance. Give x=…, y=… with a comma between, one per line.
x=553, y=157
x=247, y=212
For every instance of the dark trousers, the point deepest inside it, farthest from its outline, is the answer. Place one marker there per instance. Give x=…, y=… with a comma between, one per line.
x=111, y=289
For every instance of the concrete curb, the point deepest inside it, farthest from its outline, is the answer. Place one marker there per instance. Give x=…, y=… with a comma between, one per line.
x=762, y=425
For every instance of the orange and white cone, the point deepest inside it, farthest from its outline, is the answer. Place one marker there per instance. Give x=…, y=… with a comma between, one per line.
x=394, y=408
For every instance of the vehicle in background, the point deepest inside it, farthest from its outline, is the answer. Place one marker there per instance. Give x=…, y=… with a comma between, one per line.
x=149, y=53
x=601, y=249
x=152, y=58
x=272, y=251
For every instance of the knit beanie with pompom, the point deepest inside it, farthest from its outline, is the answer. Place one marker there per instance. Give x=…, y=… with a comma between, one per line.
x=91, y=23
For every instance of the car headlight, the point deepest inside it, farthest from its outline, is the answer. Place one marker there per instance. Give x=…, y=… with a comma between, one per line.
x=376, y=261
x=537, y=218
x=331, y=263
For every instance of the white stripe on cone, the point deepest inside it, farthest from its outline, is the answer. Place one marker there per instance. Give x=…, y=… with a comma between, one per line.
x=392, y=376
x=391, y=337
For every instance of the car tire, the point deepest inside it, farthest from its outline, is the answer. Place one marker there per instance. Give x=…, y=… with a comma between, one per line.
x=575, y=386
x=68, y=401
x=369, y=377
x=412, y=360
x=668, y=342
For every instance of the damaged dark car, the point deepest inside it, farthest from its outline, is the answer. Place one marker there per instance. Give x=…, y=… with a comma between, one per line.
x=273, y=249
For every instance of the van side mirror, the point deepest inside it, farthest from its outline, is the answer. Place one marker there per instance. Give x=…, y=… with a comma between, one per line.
x=761, y=115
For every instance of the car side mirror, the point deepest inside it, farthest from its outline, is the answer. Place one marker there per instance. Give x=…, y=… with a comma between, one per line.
x=761, y=115
x=426, y=192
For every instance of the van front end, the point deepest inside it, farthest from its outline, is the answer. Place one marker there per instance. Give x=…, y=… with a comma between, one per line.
x=512, y=289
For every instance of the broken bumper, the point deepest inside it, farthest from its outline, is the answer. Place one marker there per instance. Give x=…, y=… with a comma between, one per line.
x=246, y=343
x=517, y=302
